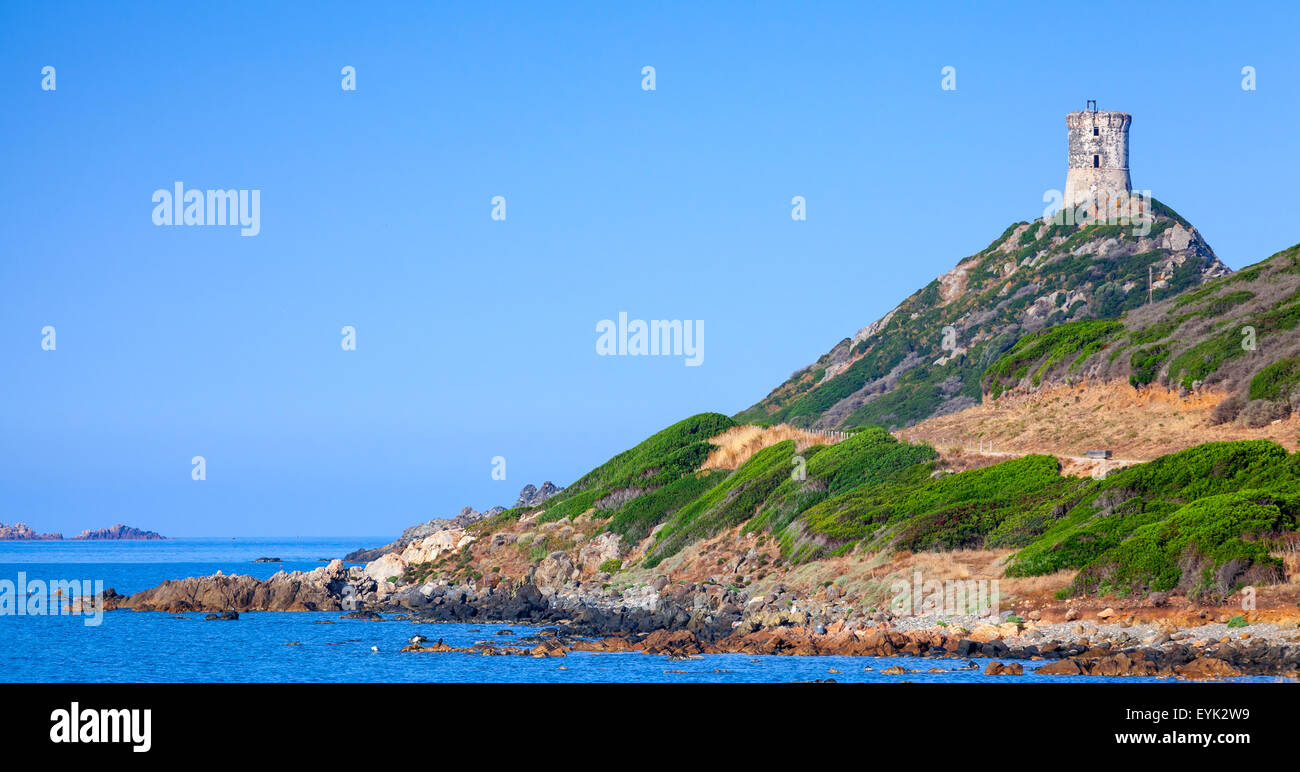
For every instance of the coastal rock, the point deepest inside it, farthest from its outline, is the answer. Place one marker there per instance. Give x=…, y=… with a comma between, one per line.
x=434, y=546
x=676, y=643
x=321, y=589
x=600, y=549
x=1207, y=667
x=554, y=570
x=998, y=668
x=1060, y=667
x=415, y=533
x=380, y=570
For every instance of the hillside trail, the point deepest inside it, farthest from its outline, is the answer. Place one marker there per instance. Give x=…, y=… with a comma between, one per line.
x=967, y=456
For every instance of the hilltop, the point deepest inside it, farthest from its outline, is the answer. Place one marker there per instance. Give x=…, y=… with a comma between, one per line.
x=1035, y=276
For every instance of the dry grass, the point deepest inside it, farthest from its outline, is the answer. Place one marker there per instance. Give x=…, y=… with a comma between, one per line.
x=870, y=576
x=1287, y=548
x=1065, y=421
x=737, y=444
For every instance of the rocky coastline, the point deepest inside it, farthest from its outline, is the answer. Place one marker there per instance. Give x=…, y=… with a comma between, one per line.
x=684, y=619
x=452, y=570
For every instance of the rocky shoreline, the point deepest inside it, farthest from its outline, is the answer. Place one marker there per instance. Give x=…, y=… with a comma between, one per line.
x=685, y=619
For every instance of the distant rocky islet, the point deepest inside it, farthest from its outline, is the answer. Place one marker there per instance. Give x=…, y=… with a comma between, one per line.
x=119, y=532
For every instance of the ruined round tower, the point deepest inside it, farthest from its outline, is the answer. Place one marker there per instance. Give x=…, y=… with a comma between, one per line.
x=1098, y=156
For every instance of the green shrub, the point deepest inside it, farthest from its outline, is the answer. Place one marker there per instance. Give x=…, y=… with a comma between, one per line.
x=1145, y=364
x=1276, y=382
x=1110, y=530
x=1043, y=349
x=1208, y=549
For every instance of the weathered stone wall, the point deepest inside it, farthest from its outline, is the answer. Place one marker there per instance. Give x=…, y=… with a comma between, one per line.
x=1097, y=155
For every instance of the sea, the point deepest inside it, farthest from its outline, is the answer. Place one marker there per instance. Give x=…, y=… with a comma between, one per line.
x=144, y=647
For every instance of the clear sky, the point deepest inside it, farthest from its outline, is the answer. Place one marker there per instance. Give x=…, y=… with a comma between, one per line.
x=476, y=337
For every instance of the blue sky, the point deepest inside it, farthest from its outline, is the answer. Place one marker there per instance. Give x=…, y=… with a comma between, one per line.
x=476, y=338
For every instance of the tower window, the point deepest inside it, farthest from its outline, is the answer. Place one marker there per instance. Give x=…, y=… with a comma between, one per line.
x=1096, y=132
x=1096, y=161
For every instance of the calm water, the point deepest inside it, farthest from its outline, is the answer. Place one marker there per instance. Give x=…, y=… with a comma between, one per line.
x=150, y=646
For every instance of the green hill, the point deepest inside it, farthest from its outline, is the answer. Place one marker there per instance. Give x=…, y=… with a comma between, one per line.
x=1043, y=303
x=1034, y=276
x=1202, y=521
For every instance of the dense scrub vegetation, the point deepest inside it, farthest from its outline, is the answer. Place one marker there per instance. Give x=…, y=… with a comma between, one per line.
x=1237, y=332
x=1072, y=341
x=1201, y=521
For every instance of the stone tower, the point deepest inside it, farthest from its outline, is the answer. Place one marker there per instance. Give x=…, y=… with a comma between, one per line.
x=1098, y=156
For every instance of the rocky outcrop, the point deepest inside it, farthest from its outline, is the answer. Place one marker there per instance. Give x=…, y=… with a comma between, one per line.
x=23, y=532
x=397, y=545
x=467, y=517
x=327, y=588
x=119, y=531
x=532, y=496
x=436, y=545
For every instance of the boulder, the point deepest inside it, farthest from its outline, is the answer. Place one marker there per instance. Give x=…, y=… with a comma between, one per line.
x=554, y=570
x=380, y=570
x=600, y=549
x=1207, y=667
x=997, y=668
x=436, y=545
x=1060, y=667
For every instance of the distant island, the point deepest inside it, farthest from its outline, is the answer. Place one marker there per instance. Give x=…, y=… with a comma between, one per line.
x=119, y=532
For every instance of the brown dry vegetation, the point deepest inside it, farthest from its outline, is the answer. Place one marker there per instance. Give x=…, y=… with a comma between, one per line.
x=1065, y=421
x=737, y=444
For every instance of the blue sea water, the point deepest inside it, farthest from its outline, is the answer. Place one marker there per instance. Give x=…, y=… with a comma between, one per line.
x=133, y=646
